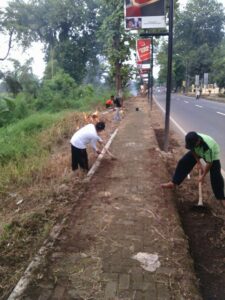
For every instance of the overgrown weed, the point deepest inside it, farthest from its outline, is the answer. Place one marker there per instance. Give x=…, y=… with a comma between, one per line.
x=25, y=152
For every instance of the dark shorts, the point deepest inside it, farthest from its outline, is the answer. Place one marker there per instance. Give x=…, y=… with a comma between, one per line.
x=79, y=158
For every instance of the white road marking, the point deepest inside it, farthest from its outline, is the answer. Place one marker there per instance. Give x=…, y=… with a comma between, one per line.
x=180, y=128
x=198, y=105
x=218, y=112
x=186, y=102
x=175, y=123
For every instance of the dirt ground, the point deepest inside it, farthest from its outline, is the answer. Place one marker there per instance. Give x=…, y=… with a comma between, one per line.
x=29, y=211
x=205, y=228
x=86, y=258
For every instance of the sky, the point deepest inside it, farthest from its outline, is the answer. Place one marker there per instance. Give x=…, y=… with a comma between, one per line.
x=36, y=50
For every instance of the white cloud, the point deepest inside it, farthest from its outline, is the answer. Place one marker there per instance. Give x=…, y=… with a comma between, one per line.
x=17, y=53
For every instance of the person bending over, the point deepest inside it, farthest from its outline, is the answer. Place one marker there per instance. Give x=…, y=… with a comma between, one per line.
x=79, y=141
x=205, y=147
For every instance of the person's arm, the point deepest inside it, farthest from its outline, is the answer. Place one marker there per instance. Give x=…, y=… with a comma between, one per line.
x=94, y=141
x=204, y=169
x=100, y=142
x=103, y=147
x=199, y=164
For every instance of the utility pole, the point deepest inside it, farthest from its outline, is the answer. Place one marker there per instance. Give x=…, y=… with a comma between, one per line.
x=149, y=84
x=151, y=51
x=169, y=77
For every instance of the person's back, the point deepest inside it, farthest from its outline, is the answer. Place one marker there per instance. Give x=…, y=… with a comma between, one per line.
x=84, y=136
x=79, y=141
x=108, y=103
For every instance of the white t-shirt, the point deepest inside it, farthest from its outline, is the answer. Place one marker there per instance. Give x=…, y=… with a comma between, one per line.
x=85, y=135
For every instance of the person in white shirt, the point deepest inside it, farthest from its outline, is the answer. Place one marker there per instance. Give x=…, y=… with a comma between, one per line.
x=79, y=141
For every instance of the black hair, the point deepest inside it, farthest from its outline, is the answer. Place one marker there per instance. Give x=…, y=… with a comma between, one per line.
x=191, y=140
x=100, y=126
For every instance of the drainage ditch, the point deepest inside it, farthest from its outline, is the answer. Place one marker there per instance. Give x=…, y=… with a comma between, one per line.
x=205, y=232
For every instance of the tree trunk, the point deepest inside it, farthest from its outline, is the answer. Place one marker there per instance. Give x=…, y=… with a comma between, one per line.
x=118, y=78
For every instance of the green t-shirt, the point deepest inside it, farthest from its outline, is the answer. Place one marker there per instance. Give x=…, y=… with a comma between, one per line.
x=212, y=153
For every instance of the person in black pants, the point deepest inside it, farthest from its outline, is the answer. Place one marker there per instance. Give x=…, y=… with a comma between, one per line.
x=200, y=146
x=79, y=141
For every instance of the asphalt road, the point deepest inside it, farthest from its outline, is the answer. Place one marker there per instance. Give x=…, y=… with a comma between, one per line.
x=197, y=115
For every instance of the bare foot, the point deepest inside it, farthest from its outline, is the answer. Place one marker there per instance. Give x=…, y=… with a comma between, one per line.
x=168, y=185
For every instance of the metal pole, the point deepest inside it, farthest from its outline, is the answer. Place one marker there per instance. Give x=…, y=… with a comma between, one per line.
x=186, y=75
x=149, y=76
x=151, y=72
x=169, y=77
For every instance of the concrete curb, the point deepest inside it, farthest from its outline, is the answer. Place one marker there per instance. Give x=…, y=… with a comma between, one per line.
x=24, y=281
x=98, y=160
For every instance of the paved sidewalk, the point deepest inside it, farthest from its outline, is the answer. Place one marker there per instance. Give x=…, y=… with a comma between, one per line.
x=122, y=213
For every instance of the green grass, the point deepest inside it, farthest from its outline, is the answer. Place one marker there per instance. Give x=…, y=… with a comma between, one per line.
x=21, y=148
x=25, y=145
x=18, y=141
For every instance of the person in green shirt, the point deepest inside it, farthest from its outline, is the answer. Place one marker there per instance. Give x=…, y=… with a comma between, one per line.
x=205, y=147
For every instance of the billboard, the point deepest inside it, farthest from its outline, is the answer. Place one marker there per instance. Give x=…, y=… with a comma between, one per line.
x=144, y=71
x=143, y=47
x=144, y=66
x=144, y=14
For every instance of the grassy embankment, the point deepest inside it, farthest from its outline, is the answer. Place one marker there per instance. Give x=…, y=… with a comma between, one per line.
x=34, y=193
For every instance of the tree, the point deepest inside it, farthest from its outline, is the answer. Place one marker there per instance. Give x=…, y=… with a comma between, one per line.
x=4, y=57
x=198, y=31
x=178, y=71
x=67, y=28
x=7, y=106
x=201, y=22
x=200, y=60
x=21, y=78
x=116, y=42
x=162, y=61
x=218, y=67
x=57, y=93
x=162, y=57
